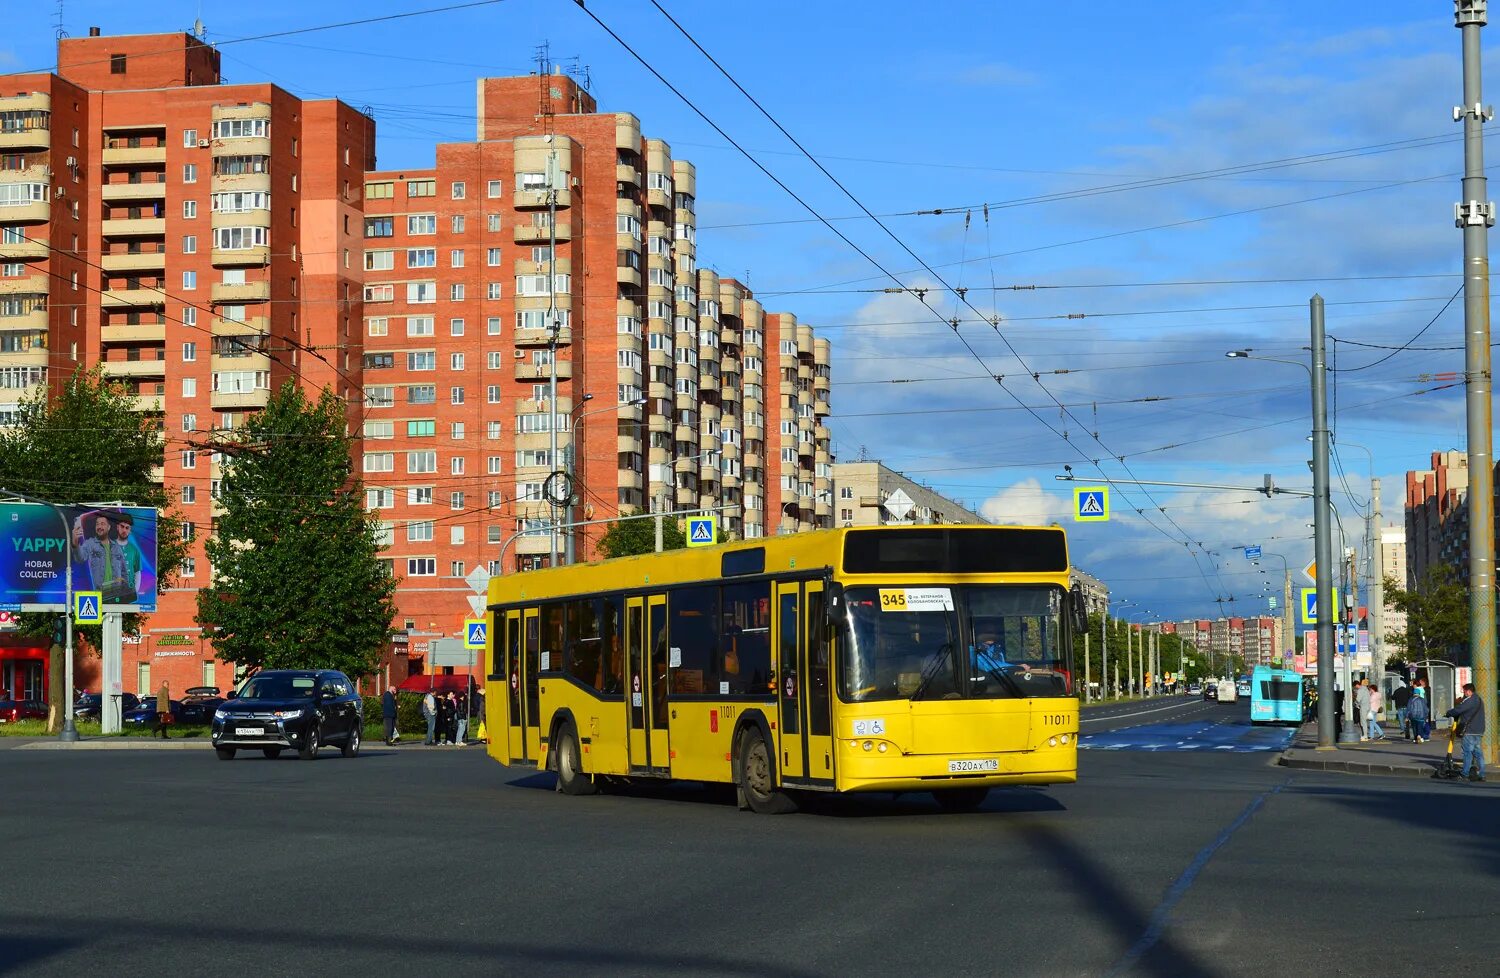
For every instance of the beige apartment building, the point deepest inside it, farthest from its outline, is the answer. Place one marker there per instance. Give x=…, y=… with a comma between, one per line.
x=870, y=494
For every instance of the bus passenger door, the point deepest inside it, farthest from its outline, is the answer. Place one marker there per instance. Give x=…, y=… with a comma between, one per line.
x=658, y=750
x=531, y=656
x=510, y=657
x=817, y=692
x=636, y=684
x=789, y=679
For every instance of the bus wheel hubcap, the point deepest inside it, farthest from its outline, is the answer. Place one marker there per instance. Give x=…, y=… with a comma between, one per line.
x=757, y=770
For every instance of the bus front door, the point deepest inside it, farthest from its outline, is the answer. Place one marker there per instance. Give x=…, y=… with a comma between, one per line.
x=510, y=652
x=817, y=698
x=658, y=749
x=531, y=657
x=789, y=678
x=637, y=683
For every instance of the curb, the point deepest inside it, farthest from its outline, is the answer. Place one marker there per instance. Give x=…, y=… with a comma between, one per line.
x=1355, y=767
x=120, y=744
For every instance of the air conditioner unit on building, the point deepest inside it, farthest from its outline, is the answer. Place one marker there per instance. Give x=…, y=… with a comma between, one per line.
x=203, y=144
x=60, y=192
x=71, y=162
x=519, y=354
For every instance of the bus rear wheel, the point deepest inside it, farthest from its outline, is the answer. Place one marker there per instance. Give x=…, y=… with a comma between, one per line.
x=570, y=777
x=961, y=799
x=757, y=778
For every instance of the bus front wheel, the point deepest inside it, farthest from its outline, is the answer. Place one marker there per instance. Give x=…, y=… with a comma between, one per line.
x=570, y=777
x=757, y=778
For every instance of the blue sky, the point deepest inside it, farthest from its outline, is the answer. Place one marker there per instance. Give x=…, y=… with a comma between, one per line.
x=1174, y=179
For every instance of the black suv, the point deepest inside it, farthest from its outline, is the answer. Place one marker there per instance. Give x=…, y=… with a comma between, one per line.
x=301, y=709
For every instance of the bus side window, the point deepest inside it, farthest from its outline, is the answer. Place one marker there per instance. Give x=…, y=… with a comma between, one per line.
x=791, y=685
x=818, y=722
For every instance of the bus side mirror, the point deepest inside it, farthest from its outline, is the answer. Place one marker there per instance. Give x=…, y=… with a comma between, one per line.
x=833, y=608
x=1080, y=610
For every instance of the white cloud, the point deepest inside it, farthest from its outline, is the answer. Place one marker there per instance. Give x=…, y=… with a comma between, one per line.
x=998, y=74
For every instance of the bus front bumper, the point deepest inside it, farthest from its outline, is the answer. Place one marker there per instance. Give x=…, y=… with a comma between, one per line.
x=861, y=770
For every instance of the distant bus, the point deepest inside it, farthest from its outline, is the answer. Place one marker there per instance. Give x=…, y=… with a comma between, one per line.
x=1276, y=696
x=893, y=659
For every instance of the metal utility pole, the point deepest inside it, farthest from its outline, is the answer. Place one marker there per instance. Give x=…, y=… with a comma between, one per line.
x=1475, y=213
x=1104, y=650
x=1377, y=583
x=1086, y=676
x=1323, y=535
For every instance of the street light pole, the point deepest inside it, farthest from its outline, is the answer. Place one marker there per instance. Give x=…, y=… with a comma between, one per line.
x=1475, y=213
x=1323, y=541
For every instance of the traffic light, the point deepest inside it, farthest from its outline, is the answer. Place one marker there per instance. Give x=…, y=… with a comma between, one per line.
x=59, y=631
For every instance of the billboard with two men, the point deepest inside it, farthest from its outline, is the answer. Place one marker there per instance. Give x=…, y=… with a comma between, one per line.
x=112, y=549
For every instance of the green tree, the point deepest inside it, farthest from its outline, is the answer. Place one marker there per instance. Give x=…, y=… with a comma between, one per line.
x=297, y=581
x=87, y=443
x=628, y=538
x=1437, y=615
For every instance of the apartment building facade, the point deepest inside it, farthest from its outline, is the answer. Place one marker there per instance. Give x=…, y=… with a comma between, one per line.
x=195, y=240
x=1433, y=500
x=675, y=390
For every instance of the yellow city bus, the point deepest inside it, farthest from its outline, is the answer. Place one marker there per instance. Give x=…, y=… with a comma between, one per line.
x=925, y=658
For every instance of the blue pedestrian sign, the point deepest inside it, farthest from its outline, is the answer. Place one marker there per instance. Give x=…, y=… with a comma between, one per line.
x=1310, y=604
x=474, y=633
x=702, y=531
x=1091, y=504
x=1252, y=553
x=88, y=607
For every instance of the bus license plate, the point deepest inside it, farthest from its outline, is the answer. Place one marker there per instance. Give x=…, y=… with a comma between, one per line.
x=247, y=731
x=973, y=767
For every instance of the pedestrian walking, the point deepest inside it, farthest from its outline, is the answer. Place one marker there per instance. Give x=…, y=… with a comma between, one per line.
x=1400, y=698
x=444, y=720
x=1469, y=716
x=430, y=714
x=1418, y=712
x=460, y=718
x=388, y=714
x=163, y=710
x=1361, y=707
x=1377, y=702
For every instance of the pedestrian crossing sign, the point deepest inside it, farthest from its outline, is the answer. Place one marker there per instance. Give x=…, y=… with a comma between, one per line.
x=474, y=633
x=88, y=607
x=1310, y=604
x=1091, y=504
x=702, y=531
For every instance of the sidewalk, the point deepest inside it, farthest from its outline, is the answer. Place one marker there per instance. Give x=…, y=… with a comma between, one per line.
x=1393, y=757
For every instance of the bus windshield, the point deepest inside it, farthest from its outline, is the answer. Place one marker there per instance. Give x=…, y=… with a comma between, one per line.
x=980, y=641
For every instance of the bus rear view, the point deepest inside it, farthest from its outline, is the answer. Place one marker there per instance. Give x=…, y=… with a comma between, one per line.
x=1276, y=696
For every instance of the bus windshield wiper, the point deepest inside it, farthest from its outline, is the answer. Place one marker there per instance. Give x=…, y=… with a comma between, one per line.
x=930, y=668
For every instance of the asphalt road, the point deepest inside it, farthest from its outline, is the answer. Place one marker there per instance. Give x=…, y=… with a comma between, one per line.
x=1171, y=862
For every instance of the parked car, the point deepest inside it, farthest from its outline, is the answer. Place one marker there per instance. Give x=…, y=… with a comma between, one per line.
x=297, y=709
x=13, y=710
x=145, y=712
x=87, y=707
x=199, y=703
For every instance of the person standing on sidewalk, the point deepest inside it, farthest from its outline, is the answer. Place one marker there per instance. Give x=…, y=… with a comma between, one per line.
x=1377, y=702
x=388, y=714
x=1400, y=698
x=1469, y=715
x=163, y=710
x=1418, y=713
x=1361, y=707
x=429, y=713
x=460, y=717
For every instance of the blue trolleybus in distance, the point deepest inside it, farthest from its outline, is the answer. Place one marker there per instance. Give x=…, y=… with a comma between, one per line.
x=1276, y=696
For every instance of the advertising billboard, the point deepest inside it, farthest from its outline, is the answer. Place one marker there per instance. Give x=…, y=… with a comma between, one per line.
x=113, y=550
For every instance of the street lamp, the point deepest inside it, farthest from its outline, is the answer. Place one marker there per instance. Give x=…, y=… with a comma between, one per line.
x=1322, y=523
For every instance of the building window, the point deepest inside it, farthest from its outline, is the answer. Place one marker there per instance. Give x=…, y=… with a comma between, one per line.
x=379, y=462
x=455, y=395
x=419, y=496
x=190, y=138
x=421, y=462
x=492, y=325
x=494, y=222
x=492, y=394
x=189, y=208
x=456, y=292
x=189, y=244
x=494, y=291
x=492, y=257
x=380, y=191
x=421, y=293
x=458, y=224
x=421, y=360
x=189, y=281
x=494, y=465
x=456, y=258
x=420, y=325
x=380, y=261
x=421, y=188
x=117, y=64
x=458, y=190
x=421, y=566
x=493, y=189
x=421, y=224
x=421, y=258
x=419, y=531
x=421, y=429
x=377, y=326
x=189, y=352
x=189, y=458
x=456, y=465
x=455, y=361
x=380, y=227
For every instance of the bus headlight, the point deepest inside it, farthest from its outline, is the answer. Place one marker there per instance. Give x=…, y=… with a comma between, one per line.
x=1063, y=738
x=881, y=748
x=1051, y=741
x=868, y=745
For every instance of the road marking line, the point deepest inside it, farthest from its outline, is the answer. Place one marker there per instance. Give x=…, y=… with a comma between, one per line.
x=1163, y=912
x=1138, y=713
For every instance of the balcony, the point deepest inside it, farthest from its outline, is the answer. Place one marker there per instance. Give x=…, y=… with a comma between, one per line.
x=133, y=227
x=245, y=361
x=134, y=156
x=631, y=479
x=525, y=266
x=147, y=403
x=37, y=356
x=122, y=192
x=241, y=146
x=226, y=182
x=530, y=200
x=33, y=284
x=239, y=400
x=658, y=198
x=135, y=368
x=27, y=139
x=233, y=219
x=141, y=333
x=132, y=298
x=36, y=212
x=626, y=275
x=533, y=235
x=140, y=261
x=530, y=336
x=248, y=292
x=241, y=257
x=249, y=326
x=29, y=250
x=533, y=372
x=625, y=173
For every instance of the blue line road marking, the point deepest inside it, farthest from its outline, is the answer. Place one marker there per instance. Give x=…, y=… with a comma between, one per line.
x=1194, y=735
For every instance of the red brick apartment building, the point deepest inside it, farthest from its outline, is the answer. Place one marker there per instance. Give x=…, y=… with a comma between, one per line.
x=206, y=242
